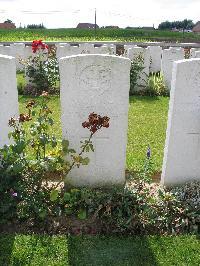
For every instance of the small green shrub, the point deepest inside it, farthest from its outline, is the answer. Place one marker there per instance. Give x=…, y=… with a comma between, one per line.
x=41, y=69
x=156, y=86
x=137, y=67
x=33, y=157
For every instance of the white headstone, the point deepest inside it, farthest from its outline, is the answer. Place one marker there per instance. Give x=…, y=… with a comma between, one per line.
x=18, y=51
x=105, y=49
x=155, y=58
x=8, y=95
x=62, y=51
x=182, y=148
x=28, y=52
x=133, y=54
x=197, y=54
x=68, y=50
x=193, y=51
x=126, y=47
x=169, y=56
x=113, y=48
x=86, y=48
x=57, y=45
x=100, y=84
x=5, y=50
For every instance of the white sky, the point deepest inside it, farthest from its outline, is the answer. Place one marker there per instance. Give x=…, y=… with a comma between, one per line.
x=66, y=14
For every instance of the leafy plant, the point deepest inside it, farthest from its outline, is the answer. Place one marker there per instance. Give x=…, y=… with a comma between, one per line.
x=137, y=67
x=156, y=86
x=42, y=68
x=33, y=157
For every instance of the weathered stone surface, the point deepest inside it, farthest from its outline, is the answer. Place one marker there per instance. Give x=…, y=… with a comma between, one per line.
x=155, y=58
x=100, y=84
x=8, y=95
x=168, y=57
x=182, y=148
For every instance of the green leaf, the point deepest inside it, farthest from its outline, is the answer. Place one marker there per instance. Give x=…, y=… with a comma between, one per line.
x=68, y=211
x=82, y=214
x=54, y=195
x=91, y=147
x=9, y=135
x=71, y=151
x=85, y=161
x=65, y=145
x=42, y=214
x=67, y=196
x=33, y=113
x=51, y=121
x=87, y=149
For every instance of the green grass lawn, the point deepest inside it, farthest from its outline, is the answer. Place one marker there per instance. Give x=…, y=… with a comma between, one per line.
x=146, y=126
x=21, y=250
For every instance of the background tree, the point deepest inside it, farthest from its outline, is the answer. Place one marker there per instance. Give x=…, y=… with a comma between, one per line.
x=186, y=24
x=8, y=21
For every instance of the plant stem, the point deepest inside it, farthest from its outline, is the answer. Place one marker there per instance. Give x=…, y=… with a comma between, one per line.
x=73, y=163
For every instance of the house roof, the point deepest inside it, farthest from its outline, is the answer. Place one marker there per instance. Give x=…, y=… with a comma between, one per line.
x=7, y=26
x=86, y=25
x=196, y=27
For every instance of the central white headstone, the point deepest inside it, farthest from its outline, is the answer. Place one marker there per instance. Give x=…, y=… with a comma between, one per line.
x=100, y=84
x=182, y=149
x=8, y=95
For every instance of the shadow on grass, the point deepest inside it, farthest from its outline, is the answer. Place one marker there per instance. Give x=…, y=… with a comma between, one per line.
x=111, y=251
x=62, y=250
x=6, y=249
x=145, y=99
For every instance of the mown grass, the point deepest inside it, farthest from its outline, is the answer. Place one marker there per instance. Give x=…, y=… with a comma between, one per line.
x=89, y=35
x=21, y=250
x=146, y=127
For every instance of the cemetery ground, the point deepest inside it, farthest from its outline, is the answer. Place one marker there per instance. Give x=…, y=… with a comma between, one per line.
x=141, y=223
x=74, y=35
x=147, y=126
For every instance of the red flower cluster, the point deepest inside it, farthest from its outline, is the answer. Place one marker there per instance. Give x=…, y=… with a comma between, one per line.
x=30, y=104
x=38, y=44
x=24, y=118
x=95, y=122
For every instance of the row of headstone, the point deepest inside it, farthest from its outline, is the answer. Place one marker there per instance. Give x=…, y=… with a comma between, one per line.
x=89, y=83
x=100, y=84
x=158, y=60
x=155, y=59
x=65, y=49
x=17, y=50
